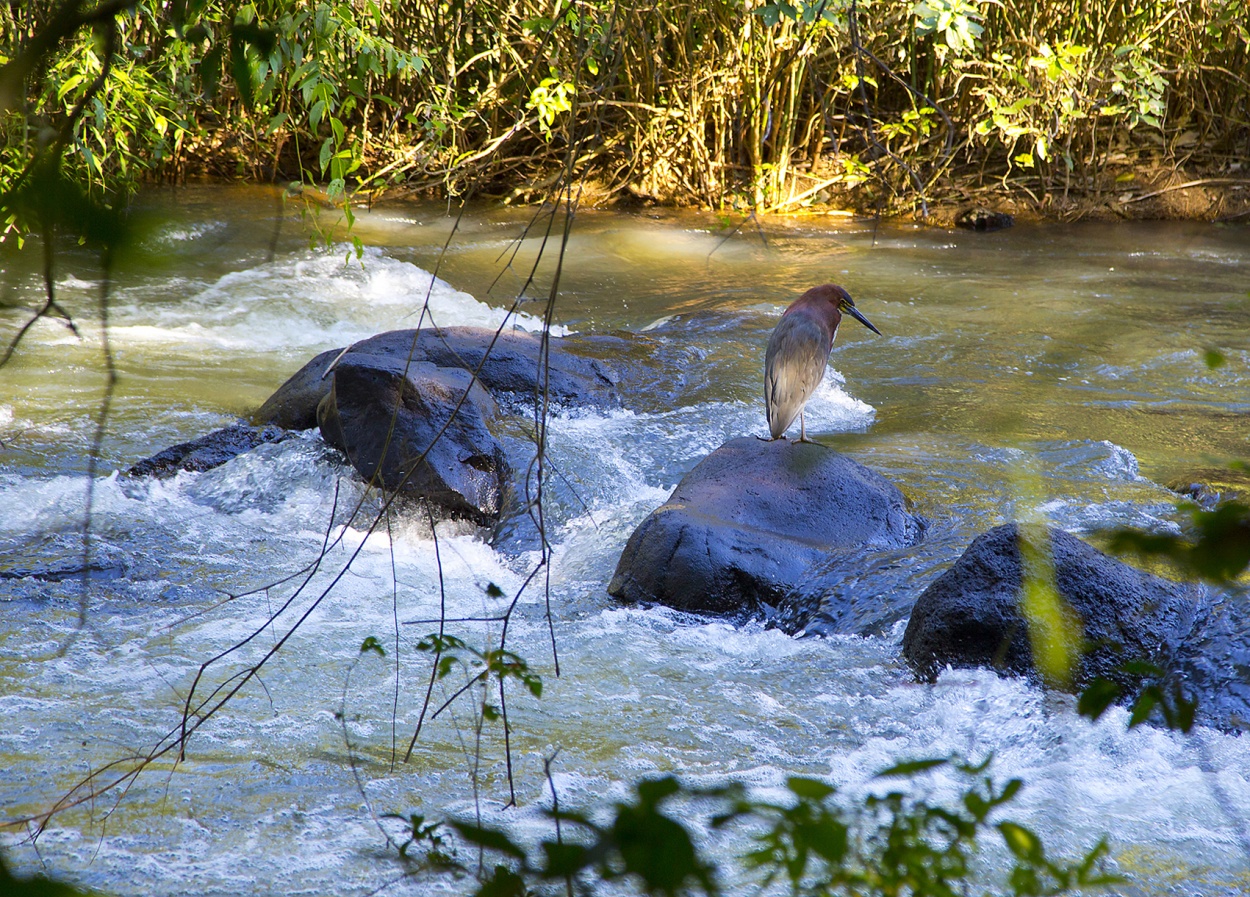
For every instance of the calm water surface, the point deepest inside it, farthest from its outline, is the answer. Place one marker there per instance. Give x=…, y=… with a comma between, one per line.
x=1049, y=370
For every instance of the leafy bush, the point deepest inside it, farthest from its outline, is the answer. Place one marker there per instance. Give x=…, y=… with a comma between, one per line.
x=886, y=844
x=765, y=105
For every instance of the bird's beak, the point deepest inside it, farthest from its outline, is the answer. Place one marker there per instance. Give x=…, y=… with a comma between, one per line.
x=859, y=316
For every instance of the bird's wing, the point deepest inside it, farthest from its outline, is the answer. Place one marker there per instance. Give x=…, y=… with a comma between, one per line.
x=793, y=367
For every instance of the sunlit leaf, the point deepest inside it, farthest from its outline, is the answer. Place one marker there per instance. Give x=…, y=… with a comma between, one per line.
x=1055, y=631
x=1020, y=841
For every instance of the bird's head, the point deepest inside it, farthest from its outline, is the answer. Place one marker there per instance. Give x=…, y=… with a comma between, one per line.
x=842, y=301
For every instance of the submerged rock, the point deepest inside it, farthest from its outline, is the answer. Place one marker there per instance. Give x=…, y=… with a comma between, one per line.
x=748, y=523
x=208, y=451
x=971, y=617
x=424, y=432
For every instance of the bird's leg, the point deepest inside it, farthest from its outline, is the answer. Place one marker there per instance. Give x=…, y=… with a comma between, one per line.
x=802, y=429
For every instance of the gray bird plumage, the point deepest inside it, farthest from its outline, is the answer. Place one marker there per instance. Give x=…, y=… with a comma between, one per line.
x=798, y=353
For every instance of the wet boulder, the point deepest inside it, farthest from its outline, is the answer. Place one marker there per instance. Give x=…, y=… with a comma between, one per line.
x=971, y=616
x=744, y=528
x=1213, y=666
x=420, y=429
x=208, y=451
x=507, y=363
x=594, y=371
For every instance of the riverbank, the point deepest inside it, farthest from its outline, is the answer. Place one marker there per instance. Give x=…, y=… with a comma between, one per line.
x=1121, y=111
x=1213, y=189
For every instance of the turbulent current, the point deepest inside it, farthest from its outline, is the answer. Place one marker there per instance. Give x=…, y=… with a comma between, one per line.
x=1052, y=371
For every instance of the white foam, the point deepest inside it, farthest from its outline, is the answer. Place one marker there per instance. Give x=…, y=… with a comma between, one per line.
x=310, y=300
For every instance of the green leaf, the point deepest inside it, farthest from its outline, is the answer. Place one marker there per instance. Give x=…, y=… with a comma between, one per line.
x=652, y=791
x=210, y=70
x=372, y=644
x=829, y=839
x=488, y=839
x=811, y=789
x=1020, y=841
x=911, y=768
x=1214, y=358
x=503, y=882
x=1097, y=697
x=1143, y=706
x=564, y=859
x=240, y=70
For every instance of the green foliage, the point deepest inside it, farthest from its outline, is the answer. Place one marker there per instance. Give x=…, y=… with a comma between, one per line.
x=1167, y=702
x=478, y=665
x=1214, y=545
x=815, y=844
x=130, y=96
x=549, y=99
x=806, y=11
x=958, y=21
x=725, y=104
x=428, y=838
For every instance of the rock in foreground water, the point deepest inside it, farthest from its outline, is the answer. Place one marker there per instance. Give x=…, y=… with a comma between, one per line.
x=745, y=526
x=971, y=615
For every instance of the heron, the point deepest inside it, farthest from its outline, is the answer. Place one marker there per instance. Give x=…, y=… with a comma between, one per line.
x=798, y=352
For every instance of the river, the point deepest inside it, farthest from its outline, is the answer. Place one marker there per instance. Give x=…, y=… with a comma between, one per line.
x=1048, y=370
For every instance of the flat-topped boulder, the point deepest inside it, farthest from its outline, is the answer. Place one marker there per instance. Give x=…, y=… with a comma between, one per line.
x=748, y=523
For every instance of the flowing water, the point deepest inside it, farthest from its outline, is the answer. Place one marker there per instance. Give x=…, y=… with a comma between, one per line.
x=1052, y=370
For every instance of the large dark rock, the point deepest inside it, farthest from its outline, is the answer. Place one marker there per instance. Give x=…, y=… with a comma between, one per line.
x=971, y=617
x=208, y=451
x=596, y=371
x=425, y=433
x=745, y=526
